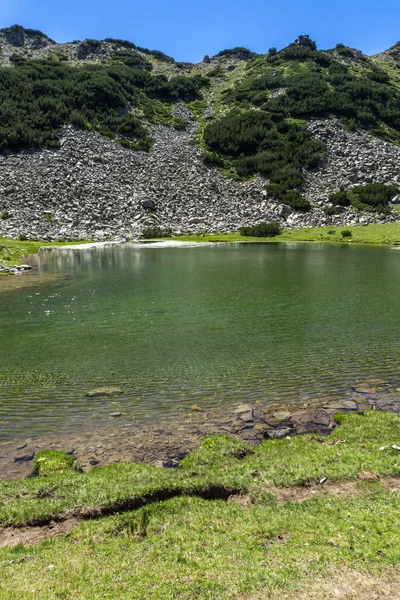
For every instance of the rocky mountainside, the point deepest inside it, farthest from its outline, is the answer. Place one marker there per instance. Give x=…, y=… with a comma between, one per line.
x=105, y=139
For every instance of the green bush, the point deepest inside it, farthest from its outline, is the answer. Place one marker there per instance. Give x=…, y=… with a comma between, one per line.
x=373, y=197
x=330, y=210
x=261, y=230
x=238, y=52
x=180, y=124
x=340, y=199
x=346, y=233
x=156, y=232
x=211, y=159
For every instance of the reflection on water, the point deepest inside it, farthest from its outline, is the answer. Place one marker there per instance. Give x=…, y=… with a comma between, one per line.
x=173, y=327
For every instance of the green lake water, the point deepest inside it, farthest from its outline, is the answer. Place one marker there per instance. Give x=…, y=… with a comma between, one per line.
x=208, y=325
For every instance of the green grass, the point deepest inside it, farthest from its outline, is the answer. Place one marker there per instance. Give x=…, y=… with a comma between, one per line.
x=189, y=548
x=50, y=462
x=220, y=462
x=13, y=251
x=376, y=233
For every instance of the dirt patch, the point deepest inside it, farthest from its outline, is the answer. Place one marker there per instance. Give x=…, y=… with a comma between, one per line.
x=351, y=489
x=350, y=584
x=32, y=536
x=345, y=584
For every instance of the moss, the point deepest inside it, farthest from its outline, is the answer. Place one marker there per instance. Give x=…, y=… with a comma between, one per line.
x=50, y=462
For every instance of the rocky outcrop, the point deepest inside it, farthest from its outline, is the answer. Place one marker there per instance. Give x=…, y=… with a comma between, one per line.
x=17, y=40
x=93, y=188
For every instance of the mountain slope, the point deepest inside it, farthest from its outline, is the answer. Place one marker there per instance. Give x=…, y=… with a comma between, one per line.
x=298, y=124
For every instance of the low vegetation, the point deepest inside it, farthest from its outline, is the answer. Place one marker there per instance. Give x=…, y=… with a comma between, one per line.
x=50, y=462
x=262, y=127
x=40, y=96
x=373, y=197
x=257, y=142
x=163, y=539
x=156, y=232
x=261, y=230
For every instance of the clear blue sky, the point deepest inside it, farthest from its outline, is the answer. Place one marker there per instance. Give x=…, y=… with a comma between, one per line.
x=188, y=29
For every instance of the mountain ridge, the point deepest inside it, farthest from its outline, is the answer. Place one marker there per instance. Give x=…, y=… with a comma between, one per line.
x=19, y=30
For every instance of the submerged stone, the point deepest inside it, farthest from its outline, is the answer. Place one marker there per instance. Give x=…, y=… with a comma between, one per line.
x=106, y=391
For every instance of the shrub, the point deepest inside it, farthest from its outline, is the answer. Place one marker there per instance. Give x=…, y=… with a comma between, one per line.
x=180, y=124
x=340, y=199
x=343, y=50
x=261, y=230
x=346, y=233
x=238, y=52
x=374, y=197
x=211, y=159
x=330, y=210
x=156, y=232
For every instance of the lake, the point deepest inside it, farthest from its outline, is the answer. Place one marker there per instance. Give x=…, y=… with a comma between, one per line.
x=210, y=325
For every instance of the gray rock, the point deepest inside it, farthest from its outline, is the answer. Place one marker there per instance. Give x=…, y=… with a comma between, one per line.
x=284, y=209
x=276, y=434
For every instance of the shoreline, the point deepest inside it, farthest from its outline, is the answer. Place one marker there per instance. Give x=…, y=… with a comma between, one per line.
x=165, y=443
x=12, y=251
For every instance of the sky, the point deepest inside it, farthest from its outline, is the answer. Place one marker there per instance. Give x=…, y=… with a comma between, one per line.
x=189, y=29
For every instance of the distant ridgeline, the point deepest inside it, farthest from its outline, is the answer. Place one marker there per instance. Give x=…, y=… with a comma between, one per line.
x=252, y=109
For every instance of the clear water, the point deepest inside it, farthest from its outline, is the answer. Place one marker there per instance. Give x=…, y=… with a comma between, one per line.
x=209, y=325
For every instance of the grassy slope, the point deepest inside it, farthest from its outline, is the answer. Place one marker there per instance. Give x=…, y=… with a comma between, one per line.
x=190, y=548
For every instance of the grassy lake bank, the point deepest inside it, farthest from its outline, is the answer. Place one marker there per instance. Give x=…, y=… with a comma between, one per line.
x=375, y=233
x=302, y=517
x=13, y=251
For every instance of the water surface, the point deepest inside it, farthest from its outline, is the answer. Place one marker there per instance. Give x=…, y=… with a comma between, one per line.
x=209, y=325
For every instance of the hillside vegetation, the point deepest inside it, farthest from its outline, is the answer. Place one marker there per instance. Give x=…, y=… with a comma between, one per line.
x=252, y=110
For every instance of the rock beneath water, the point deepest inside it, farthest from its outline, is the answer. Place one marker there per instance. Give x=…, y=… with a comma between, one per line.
x=106, y=391
x=313, y=417
x=242, y=408
x=25, y=457
x=115, y=414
